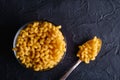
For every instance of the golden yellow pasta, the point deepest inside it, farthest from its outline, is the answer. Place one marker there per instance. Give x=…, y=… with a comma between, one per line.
x=40, y=45
x=89, y=50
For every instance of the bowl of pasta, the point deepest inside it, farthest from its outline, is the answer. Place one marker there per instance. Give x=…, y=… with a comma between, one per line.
x=39, y=45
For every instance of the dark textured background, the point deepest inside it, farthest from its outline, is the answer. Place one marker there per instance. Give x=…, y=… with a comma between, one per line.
x=81, y=20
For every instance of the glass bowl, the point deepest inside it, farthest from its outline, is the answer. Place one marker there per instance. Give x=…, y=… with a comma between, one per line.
x=14, y=45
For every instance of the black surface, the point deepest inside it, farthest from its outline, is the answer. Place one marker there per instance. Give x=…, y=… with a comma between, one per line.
x=81, y=20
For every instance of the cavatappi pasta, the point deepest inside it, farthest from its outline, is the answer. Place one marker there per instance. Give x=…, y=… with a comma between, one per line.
x=89, y=50
x=40, y=45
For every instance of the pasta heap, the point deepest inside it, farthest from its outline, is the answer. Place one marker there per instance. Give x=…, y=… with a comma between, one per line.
x=40, y=45
x=89, y=50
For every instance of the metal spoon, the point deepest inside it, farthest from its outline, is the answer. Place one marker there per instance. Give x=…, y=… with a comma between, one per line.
x=71, y=69
x=77, y=63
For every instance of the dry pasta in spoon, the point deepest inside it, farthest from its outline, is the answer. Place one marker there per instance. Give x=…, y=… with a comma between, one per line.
x=40, y=45
x=89, y=50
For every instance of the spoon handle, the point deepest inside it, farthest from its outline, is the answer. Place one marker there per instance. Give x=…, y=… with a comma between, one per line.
x=70, y=70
